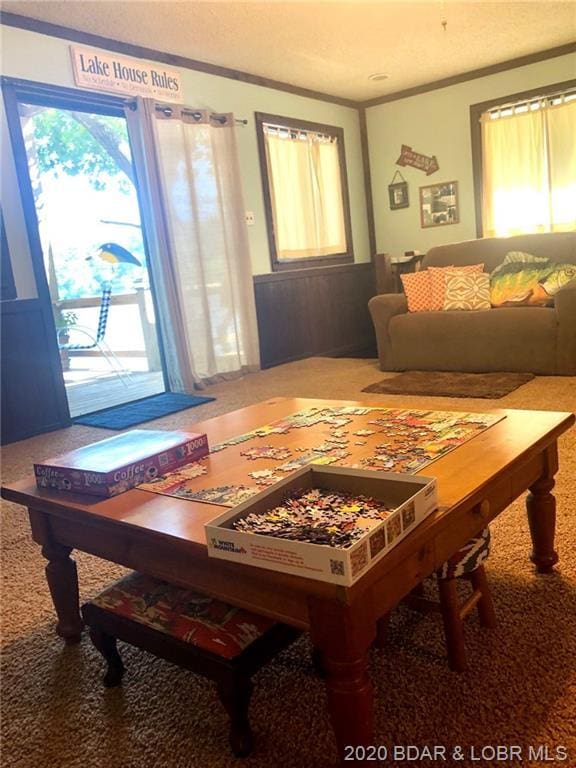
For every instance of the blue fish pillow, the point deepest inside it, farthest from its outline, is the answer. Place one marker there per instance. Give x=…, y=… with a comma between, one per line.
x=526, y=280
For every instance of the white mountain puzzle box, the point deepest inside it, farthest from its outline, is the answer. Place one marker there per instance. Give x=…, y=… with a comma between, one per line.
x=406, y=501
x=115, y=465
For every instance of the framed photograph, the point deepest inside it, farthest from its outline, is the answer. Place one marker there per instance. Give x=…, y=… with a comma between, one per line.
x=398, y=195
x=439, y=204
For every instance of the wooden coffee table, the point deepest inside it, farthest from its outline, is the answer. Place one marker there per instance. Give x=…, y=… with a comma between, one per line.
x=164, y=537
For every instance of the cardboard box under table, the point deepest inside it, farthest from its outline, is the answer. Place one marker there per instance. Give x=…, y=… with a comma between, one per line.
x=412, y=498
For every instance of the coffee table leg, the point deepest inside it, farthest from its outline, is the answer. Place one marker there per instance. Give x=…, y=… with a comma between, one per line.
x=62, y=579
x=343, y=636
x=541, y=508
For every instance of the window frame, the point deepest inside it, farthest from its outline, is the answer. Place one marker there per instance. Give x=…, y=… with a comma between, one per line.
x=476, y=111
x=307, y=262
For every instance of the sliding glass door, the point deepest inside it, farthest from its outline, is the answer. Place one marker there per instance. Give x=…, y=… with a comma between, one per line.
x=93, y=250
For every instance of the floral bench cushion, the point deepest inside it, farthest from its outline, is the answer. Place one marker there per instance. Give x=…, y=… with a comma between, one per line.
x=468, y=558
x=185, y=615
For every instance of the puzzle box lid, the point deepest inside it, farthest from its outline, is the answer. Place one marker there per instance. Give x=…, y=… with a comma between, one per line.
x=118, y=451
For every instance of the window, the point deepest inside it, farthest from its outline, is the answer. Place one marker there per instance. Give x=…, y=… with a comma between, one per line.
x=525, y=163
x=305, y=192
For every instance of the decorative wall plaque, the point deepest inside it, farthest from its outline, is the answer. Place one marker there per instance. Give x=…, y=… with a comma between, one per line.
x=422, y=162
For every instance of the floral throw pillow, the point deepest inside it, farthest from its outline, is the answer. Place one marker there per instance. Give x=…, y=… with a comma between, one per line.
x=524, y=279
x=438, y=281
x=467, y=291
x=417, y=290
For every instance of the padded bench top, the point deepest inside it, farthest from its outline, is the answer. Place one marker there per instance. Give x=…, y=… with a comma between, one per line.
x=188, y=616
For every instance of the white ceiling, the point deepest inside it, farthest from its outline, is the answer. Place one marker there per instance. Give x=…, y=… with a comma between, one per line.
x=327, y=46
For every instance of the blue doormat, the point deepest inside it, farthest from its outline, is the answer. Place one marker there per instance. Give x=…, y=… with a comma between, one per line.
x=147, y=409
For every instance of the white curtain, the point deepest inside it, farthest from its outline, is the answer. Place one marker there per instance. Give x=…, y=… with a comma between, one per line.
x=529, y=170
x=305, y=167
x=189, y=181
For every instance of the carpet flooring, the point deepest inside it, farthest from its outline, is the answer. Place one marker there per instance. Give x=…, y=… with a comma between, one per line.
x=520, y=688
x=448, y=384
x=140, y=411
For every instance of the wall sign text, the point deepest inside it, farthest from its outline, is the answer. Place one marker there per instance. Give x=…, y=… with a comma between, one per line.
x=416, y=160
x=100, y=71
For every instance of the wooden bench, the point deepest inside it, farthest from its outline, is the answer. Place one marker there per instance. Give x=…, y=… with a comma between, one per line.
x=221, y=642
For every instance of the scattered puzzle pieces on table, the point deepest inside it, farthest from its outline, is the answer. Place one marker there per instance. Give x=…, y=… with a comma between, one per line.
x=266, y=452
x=225, y=495
x=410, y=440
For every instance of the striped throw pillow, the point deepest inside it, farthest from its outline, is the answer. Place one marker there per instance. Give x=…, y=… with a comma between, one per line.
x=471, y=291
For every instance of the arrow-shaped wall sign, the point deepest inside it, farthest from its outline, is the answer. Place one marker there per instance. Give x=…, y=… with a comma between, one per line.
x=414, y=159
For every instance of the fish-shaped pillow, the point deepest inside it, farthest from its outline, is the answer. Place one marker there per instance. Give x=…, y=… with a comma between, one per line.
x=524, y=279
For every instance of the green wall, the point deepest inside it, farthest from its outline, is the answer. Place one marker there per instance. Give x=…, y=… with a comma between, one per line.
x=438, y=123
x=434, y=123
x=31, y=56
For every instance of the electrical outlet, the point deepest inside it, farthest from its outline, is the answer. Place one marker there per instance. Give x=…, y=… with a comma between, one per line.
x=249, y=216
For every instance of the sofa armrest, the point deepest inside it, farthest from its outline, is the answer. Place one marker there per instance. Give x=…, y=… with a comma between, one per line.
x=565, y=305
x=382, y=309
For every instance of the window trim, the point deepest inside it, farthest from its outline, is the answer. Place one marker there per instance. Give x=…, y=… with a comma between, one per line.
x=476, y=111
x=309, y=262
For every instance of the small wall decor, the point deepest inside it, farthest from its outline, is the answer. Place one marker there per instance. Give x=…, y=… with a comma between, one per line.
x=398, y=192
x=416, y=160
x=439, y=204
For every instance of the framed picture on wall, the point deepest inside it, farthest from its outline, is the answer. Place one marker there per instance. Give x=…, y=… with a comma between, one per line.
x=398, y=194
x=439, y=204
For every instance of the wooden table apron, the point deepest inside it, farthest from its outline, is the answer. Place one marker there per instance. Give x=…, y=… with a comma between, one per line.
x=158, y=535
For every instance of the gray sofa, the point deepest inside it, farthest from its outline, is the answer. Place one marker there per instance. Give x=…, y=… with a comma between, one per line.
x=540, y=340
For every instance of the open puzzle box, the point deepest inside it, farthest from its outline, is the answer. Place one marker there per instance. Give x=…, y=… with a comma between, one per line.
x=115, y=465
x=409, y=500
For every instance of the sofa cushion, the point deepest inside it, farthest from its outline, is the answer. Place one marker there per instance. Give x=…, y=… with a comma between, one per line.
x=526, y=279
x=417, y=290
x=467, y=291
x=438, y=281
x=518, y=279
x=507, y=339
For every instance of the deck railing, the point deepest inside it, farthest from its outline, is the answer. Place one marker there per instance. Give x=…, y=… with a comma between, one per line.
x=138, y=299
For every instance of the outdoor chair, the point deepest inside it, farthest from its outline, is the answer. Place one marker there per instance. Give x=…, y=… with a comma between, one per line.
x=94, y=340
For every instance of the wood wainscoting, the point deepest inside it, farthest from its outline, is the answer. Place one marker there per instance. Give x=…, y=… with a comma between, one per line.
x=315, y=312
x=33, y=393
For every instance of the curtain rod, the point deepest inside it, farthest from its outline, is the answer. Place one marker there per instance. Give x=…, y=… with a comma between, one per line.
x=196, y=114
x=274, y=128
x=566, y=92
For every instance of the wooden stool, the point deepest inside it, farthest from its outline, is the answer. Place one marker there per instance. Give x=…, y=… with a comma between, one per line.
x=467, y=563
x=224, y=643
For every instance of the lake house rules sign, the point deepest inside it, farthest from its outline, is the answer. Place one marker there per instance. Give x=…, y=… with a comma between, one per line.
x=119, y=74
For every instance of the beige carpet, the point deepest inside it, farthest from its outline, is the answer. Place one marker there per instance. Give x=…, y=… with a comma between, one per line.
x=520, y=690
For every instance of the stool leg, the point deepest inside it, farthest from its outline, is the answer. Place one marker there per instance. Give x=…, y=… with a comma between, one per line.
x=106, y=644
x=453, y=628
x=382, y=626
x=486, y=610
x=418, y=590
x=318, y=663
x=235, y=694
